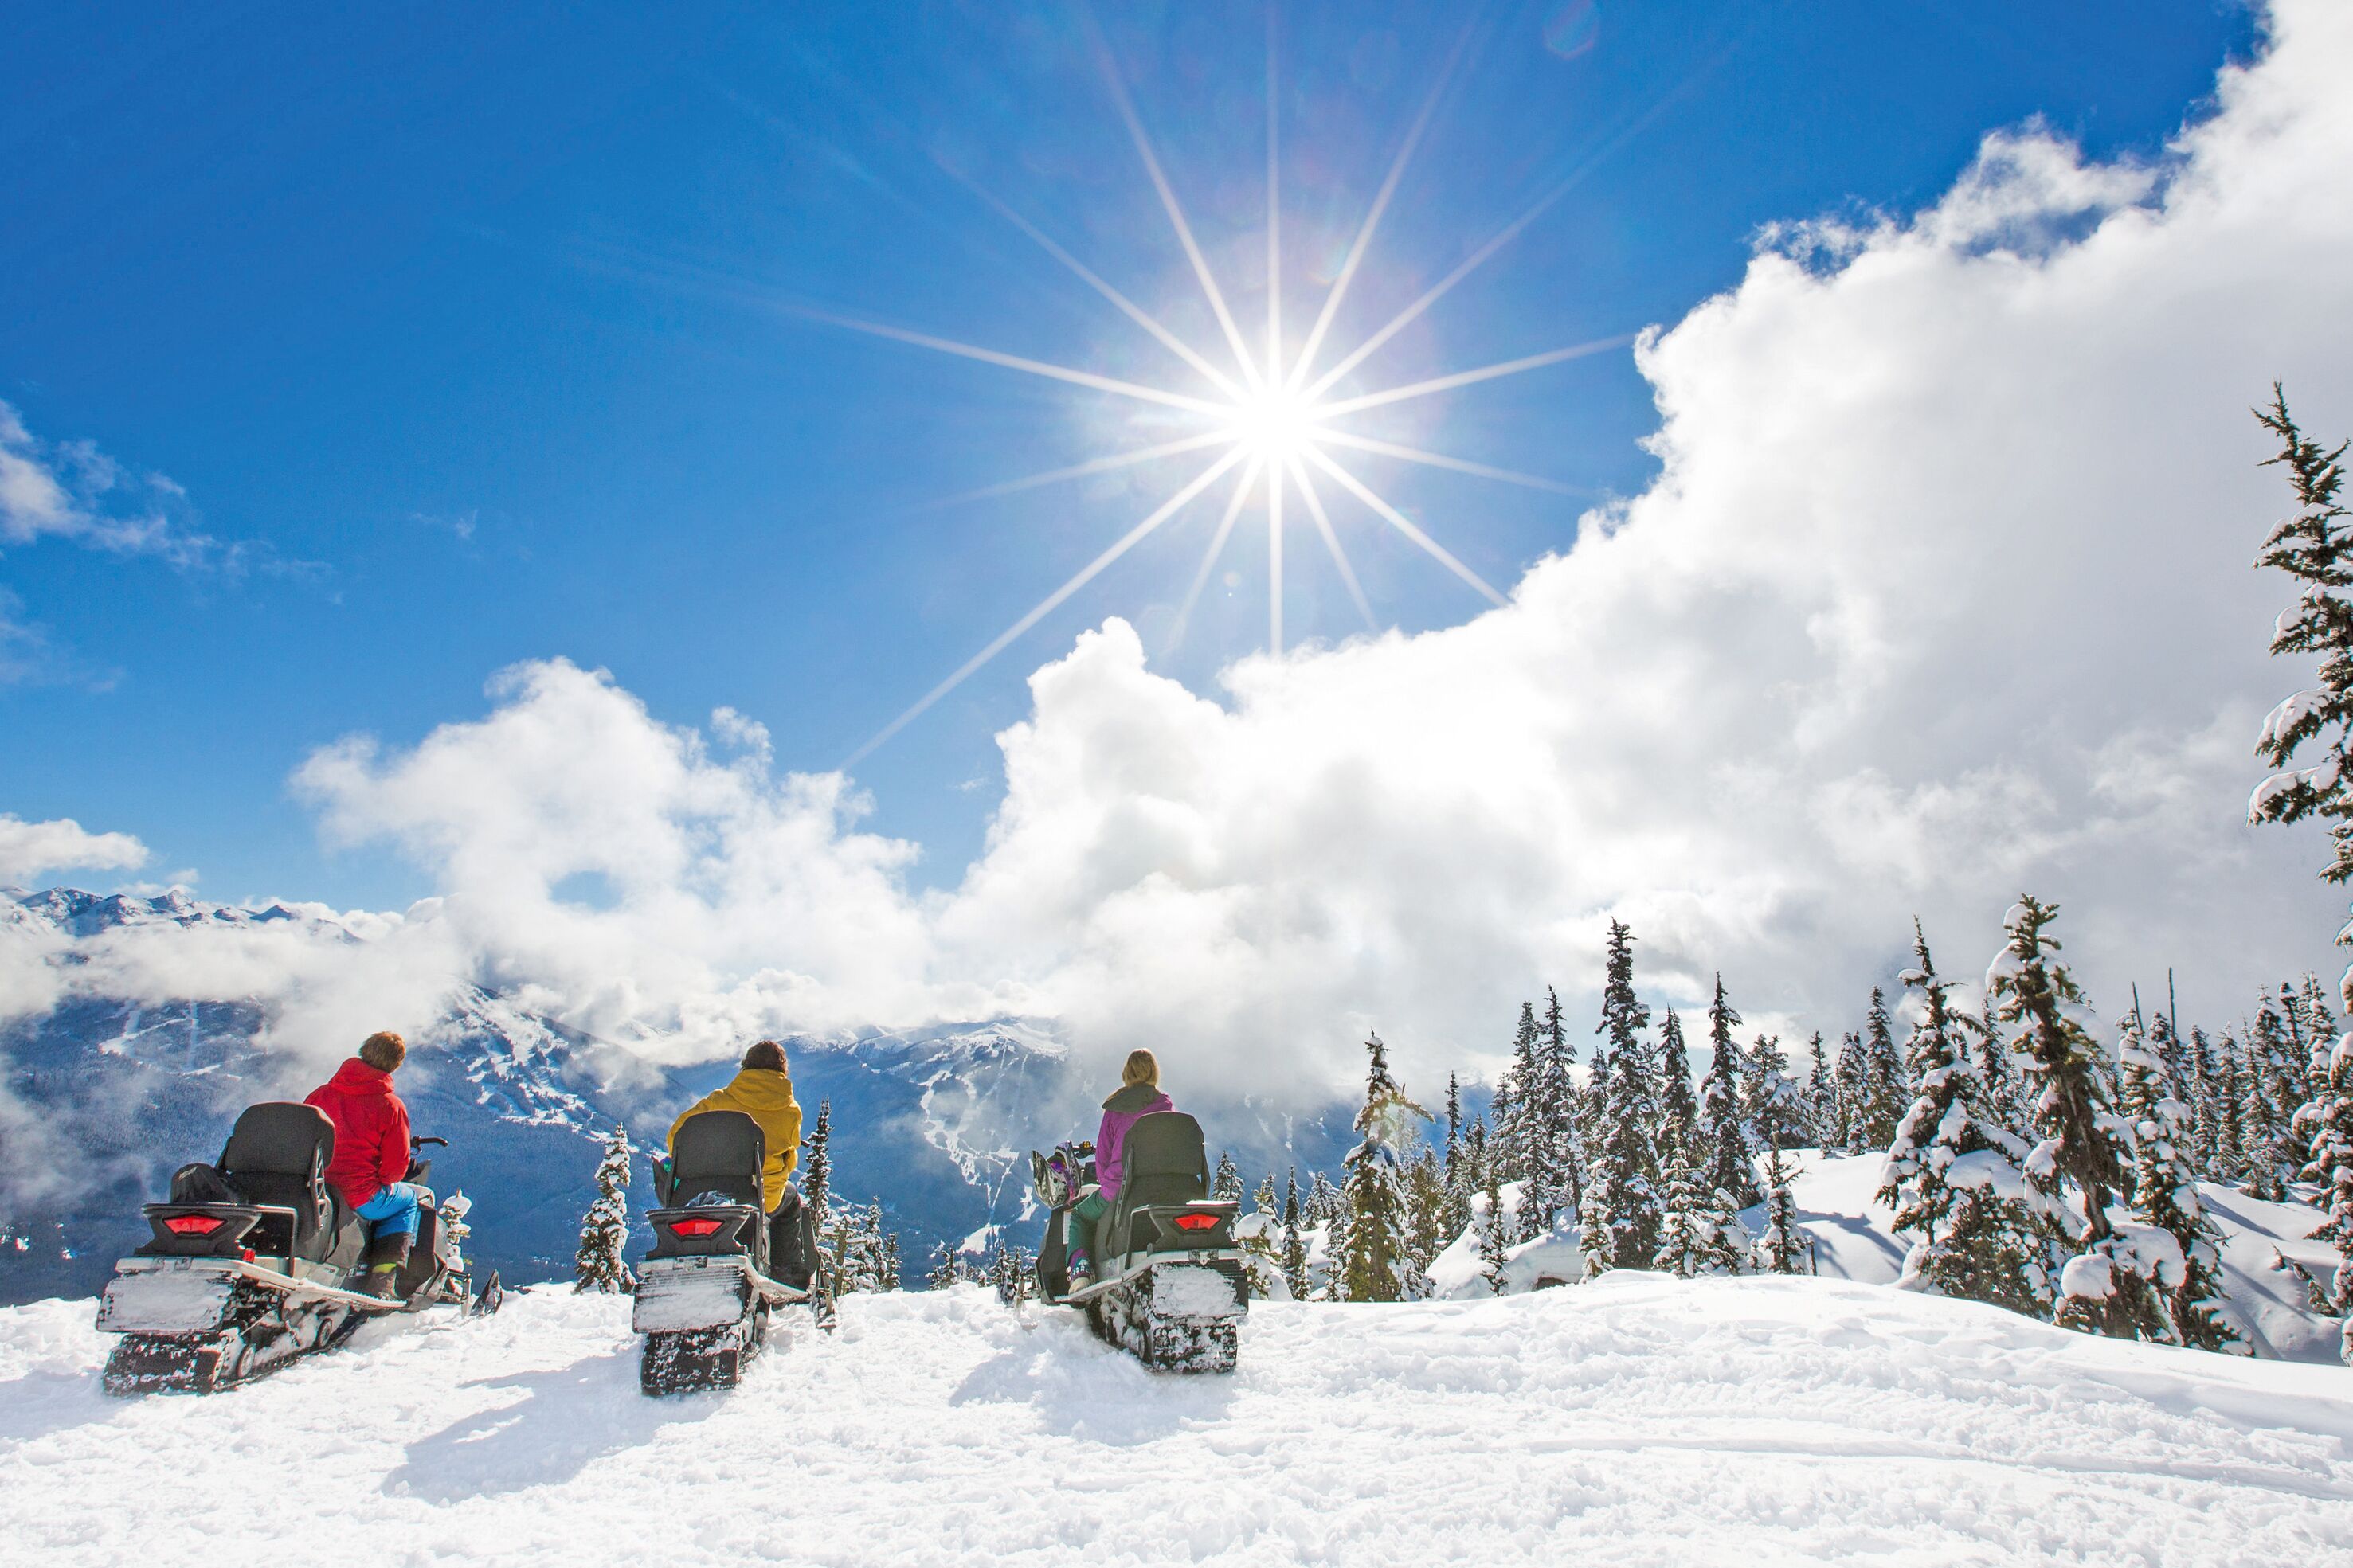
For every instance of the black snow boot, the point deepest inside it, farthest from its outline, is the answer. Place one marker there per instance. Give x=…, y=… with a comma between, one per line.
x=386, y=1256
x=792, y=1241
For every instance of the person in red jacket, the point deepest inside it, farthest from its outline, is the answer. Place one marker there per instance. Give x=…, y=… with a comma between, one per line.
x=372, y=1154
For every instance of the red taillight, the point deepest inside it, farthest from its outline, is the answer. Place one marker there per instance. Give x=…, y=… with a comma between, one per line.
x=695, y=1228
x=194, y=1224
x=1197, y=1221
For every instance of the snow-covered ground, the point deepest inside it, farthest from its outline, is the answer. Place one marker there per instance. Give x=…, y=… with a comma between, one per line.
x=1853, y=1238
x=1636, y=1420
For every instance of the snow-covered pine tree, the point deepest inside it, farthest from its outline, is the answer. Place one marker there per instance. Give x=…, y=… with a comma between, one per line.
x=1679, y=1117
x=1954, y=1169
x=2106, y=1287
x=1518, y=1113
x=1425, y=1189
x=1728, y=1166
x=2332, y=1167
x=2316, y=548
x=1783, y=1248
x=1294, y=1243
x=2230, y=1157
x=1821, y=1095
x=1696, y=1232
x=1335, y=1247
x=1854, y=1080
x=2276, y=1090
x=1564, y=1143
x=948, y=1267
x=1457, y=1177
x=1885, y=1098
x=2205, y=1104
x=1378, y=1264
x=1998, y=1072
x=1264, y=1200
x=1770, y=1096
x=1225, y=1184
x=1494, y=1244
x=1322, y=1201
x=602, y=1263
x=816, y=1189
x=1453, y=1153
x=2164, y=1197
x=1625, y=1167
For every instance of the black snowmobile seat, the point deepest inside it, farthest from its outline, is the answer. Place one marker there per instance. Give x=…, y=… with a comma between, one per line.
x=278, y=1155
x=1164, y=1160
x=718, y=1152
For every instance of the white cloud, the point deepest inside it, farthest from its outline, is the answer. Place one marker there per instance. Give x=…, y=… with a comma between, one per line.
x=1943, y=591
x=32, y=849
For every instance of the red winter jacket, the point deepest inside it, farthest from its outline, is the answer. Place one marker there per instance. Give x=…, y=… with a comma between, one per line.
x=370, y=1131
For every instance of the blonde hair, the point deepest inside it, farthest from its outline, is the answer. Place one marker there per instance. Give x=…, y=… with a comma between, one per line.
x=384, y=1051
x=1142, y=1067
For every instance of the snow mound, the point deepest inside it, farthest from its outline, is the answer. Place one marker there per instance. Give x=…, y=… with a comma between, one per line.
x=1639, y=1419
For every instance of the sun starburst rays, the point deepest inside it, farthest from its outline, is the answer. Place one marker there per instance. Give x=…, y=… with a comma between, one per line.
x=1271, y=420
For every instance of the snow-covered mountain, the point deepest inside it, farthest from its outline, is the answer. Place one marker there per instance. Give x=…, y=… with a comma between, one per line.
x=104, y=1096
x=1642, y=1419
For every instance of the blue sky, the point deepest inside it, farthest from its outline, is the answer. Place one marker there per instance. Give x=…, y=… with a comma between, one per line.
x=475, y=332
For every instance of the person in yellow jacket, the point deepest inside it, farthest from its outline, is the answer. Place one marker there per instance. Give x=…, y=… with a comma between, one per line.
x=762, y=1090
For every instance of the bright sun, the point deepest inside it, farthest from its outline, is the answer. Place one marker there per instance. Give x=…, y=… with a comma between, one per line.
x=1274, y=424
x=1270, y=416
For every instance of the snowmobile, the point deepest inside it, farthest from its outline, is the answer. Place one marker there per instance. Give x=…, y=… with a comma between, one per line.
x=706, y=1292
x=1171, y=1286
x=253, y=1261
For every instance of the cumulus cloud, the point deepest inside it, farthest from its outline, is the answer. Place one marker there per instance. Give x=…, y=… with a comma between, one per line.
x=1943, y=591
x=32, y=849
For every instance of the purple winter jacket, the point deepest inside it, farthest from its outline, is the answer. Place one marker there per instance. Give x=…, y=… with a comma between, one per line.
x=1121, y=1112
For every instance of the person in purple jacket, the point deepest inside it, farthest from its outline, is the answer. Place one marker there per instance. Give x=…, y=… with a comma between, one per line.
x=1138, y=1097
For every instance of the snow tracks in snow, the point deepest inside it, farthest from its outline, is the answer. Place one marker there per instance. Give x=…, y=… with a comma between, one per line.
x=1639, y=1419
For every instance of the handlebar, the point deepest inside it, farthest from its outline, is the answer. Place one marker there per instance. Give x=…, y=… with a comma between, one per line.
x=417, y=1143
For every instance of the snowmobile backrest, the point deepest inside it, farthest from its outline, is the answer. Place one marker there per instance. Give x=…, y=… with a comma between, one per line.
x=278, y=1155
x=719, y=1151
x=1164, y=1160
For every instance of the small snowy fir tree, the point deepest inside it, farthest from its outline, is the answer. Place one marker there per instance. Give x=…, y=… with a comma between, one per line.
x=1729, y=1168
x=1226, y=1186
x=1679, y=1118
x=1425, y=1191
x=816, y=1192
x=1517, y=1114
x=2164, y=1197
x=1696, y=1233
x=602, y=1263
x=1294, y=1240
x=2276, y=1088
x=1782, y=1248
x=2332, y=1167
x=2106, y=1287
x=1563, y=1113
x=1265, y=1200
x=1885, y=1098
x=948, y=1268
x=1378, y=1264
x=1853, y=1081
x=1625, y=1166
x=1821, y=1097
x=1455, y=1172
x=1494, y=1238
x=1953, y=1175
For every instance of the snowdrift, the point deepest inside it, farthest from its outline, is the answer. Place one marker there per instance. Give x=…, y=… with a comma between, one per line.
x=1853, y=1238
x=1640, y=1419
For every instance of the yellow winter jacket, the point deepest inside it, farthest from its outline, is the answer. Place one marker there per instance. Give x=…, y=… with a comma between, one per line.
x=766, y=1098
